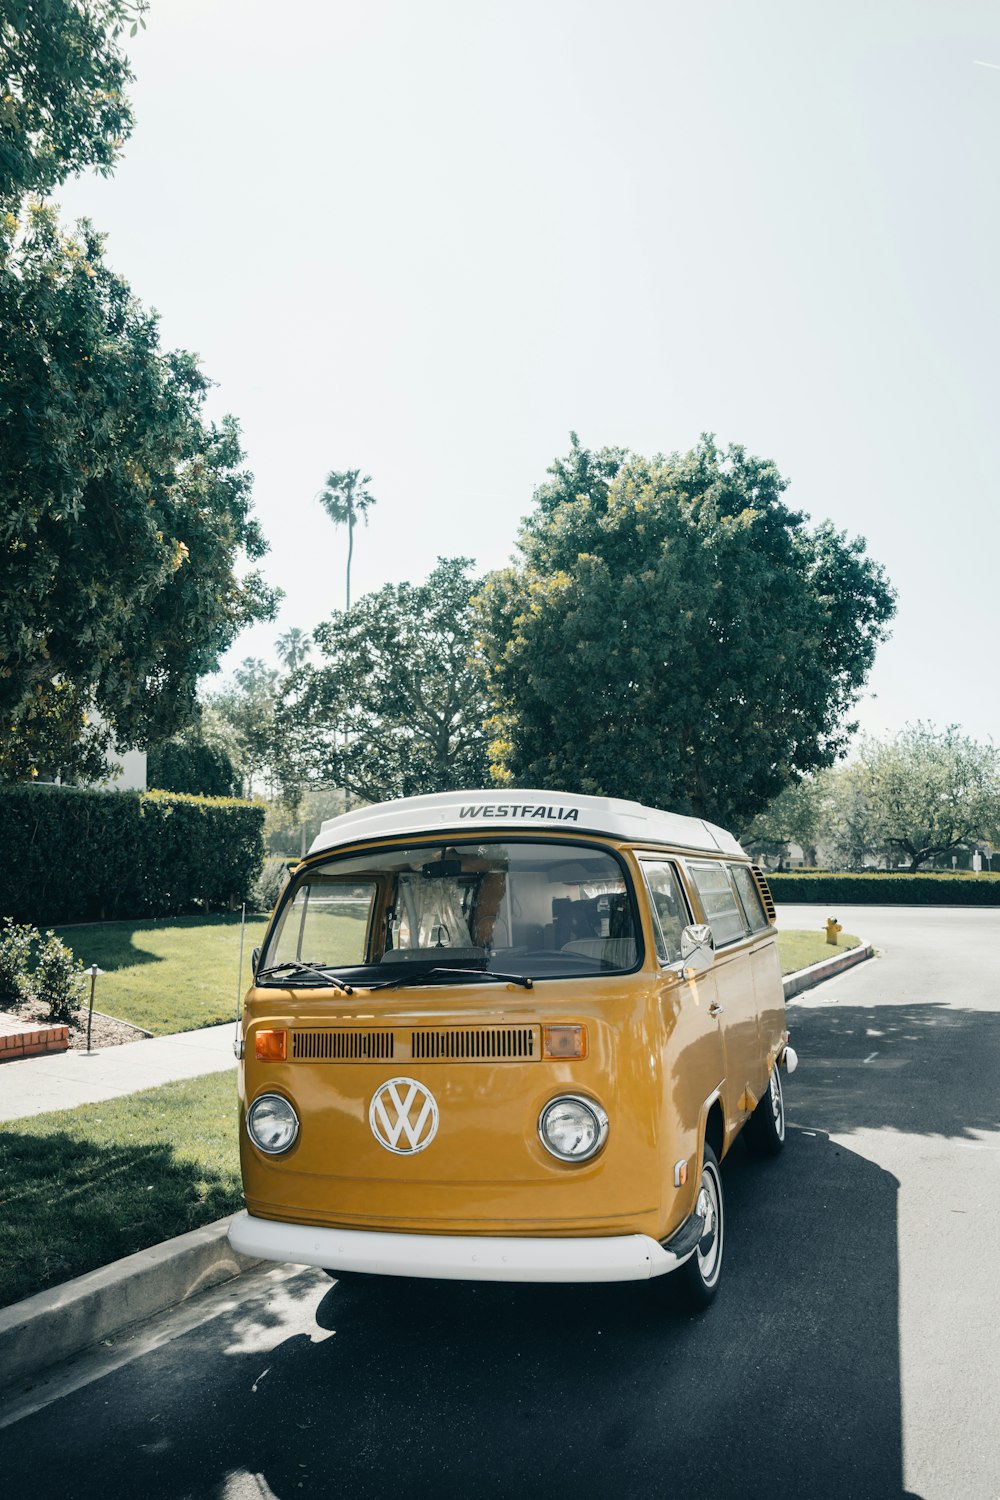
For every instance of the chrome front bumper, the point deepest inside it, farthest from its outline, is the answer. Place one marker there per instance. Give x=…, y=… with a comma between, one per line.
x=454, y=1257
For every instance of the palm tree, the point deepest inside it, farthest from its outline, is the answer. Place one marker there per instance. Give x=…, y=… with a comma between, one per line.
x=293, y=647
x=345, y=499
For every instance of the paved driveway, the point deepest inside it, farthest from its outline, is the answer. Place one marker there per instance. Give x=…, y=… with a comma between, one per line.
x=851, y=1351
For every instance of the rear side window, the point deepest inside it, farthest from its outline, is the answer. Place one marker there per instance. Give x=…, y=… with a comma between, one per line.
x=746, y=889
x=669, y=912
x=718, y=898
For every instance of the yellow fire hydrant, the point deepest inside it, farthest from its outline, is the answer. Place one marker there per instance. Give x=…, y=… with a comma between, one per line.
x=832, y=928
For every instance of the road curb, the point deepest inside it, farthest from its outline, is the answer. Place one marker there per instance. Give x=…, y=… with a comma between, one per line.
x=50, y=1326
x=804, y=979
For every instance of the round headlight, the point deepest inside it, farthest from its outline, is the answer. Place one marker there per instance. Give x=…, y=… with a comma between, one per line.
x=572, y=1128
x=272, y=1124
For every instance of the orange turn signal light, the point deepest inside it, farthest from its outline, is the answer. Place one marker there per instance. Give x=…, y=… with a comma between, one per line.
x=564, y=1041
x=271, y=1046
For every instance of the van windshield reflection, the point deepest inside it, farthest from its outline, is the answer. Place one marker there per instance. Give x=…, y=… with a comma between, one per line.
x=514, y=911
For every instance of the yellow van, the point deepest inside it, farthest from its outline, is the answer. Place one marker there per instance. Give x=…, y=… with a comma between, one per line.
x=509, y=1038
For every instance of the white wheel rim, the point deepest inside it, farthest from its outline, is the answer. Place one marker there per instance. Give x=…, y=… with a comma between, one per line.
x=709, y=1208
x=777, y=1104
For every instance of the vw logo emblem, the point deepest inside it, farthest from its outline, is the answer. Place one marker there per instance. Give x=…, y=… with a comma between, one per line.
x=403, y=1116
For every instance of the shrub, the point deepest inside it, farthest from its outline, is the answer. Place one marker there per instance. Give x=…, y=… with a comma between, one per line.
x=72, y=854
x=40, y=972
x=192, y=766
x=15, y=963
x=58, y=981
x=888, y=890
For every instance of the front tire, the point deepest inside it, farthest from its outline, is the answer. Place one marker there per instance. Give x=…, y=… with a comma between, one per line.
x=698, y=1277
x=764, y=1132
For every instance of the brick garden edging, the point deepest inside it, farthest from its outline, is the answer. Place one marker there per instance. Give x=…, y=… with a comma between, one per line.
x=29, y=1038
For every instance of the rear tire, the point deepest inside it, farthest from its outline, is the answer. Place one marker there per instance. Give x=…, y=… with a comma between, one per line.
x=698, y=1277
x=764, y=1132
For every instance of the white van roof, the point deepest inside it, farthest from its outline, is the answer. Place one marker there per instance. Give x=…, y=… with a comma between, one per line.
x=544, y=812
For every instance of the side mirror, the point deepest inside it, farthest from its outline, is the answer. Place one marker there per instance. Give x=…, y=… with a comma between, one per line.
x=254, y=961
x=697, y=948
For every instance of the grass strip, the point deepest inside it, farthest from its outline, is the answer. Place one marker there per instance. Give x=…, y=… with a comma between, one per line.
x=797, y=950
x=167, y=975
x=82, y=1187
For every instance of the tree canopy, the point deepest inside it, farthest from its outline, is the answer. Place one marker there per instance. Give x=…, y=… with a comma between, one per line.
x=124, y=512
x=62, y=90
x=396, y=706
x=239, y=718
x=798, y=815
x=920, y=794
x=674, y=632
x=293, y=647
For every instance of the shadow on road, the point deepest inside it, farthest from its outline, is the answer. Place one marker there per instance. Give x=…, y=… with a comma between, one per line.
x=789, y=1384
x=923, y=1069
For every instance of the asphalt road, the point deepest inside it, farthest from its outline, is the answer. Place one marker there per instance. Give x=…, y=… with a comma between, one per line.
x=852, y=1350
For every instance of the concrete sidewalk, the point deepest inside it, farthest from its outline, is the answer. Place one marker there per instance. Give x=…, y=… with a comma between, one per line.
x=38, y=1084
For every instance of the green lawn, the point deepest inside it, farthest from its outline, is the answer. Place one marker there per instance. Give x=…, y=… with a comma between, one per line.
x=798, y=950
x=82, y=1187
x=167, y=975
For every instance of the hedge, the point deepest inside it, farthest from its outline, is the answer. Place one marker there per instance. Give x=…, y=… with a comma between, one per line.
x=72, y=854
x=888, y=889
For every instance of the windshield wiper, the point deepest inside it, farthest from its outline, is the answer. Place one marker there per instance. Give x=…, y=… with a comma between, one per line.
x=417, y=976
x=293, y=968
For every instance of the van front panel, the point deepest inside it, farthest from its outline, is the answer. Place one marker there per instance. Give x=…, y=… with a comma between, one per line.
x=485, y=1170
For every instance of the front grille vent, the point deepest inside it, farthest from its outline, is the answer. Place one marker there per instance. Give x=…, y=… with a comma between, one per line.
x=503, y=1044
x=342, y=1046
x=765, y=892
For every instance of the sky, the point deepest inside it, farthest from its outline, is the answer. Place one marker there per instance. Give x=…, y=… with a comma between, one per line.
x=429, y=238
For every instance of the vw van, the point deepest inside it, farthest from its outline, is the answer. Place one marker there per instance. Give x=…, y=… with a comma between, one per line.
x=510, y=1038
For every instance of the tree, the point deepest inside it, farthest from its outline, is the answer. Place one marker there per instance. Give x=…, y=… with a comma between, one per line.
x=123, y=512
x=346, y=499
x=923, y=793
x=241, y=717
x=397, y=707
x=798, y=815
x=62, y=81
x=673, y=632
x=294, y=647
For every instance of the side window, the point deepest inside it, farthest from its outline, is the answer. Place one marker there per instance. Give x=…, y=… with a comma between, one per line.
x=719, y=900
x=749, y=895
x=669, y=912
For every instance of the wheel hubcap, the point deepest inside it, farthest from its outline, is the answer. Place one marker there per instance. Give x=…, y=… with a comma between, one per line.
x=777, y=1105
x=709, y=1246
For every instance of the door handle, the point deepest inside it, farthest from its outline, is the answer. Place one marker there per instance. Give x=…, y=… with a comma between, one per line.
x=715, y=1009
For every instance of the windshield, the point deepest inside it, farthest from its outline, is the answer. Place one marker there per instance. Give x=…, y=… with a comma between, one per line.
x=535, y=909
